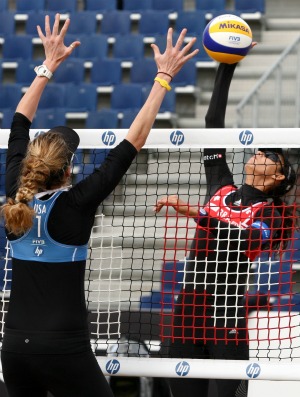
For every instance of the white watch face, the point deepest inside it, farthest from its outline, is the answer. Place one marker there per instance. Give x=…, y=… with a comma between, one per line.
x=42, y=70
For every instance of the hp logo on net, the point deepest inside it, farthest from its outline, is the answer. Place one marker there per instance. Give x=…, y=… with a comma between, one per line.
x=108, y=138
x=253, y=370
x=112, y=367
x=182, y=368
x=246, y=137
x=177, y=138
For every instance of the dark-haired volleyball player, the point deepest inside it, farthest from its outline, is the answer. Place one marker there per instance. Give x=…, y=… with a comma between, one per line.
x=233, y=227
x=46, y=344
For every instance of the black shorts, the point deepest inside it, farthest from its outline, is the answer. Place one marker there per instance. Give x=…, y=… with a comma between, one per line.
x=68, y=375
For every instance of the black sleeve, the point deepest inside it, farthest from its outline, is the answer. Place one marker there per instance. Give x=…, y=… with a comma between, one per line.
x=91, y=191
x=243, y=239
x=216, y=168
x=17, y=147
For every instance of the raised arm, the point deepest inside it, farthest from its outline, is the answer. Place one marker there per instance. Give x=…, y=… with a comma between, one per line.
x=55, y=53
x=168, y=65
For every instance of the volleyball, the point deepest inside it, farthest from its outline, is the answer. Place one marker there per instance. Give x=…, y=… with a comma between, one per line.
x=227, y=38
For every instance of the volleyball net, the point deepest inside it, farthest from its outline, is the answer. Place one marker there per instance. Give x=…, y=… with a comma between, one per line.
x=139, y=262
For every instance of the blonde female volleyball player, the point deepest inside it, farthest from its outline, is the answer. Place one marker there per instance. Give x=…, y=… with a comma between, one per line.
x=46, y=345
x=233, y=227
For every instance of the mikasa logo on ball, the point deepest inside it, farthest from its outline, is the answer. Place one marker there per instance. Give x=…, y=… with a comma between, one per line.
x=234, y=26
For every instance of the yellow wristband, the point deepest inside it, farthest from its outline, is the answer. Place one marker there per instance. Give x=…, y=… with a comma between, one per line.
x=163, y=83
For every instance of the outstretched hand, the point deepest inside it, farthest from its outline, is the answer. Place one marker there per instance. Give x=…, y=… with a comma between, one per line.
x=53, y=41
x=174, y=57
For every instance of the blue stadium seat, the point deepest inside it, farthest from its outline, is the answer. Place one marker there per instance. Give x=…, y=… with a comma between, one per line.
x=37, y=18
x=137, y=5
x=187, y=75
x=97, y=156
x=93, y=47
x=193, y=21
x=61, y=6
x=7, y=23
x=10, y=95
x=100, y=5
x=53, y=96
x=211, y=5
x=70, y=71
x=106, y=72
x=1, y=72
x=25, y=71
x=83, y=22
x=81, y=97
x=7, y=116
x=127, y=96
x=292, y=253
x=48, y=118
x=167, y=5
x=253, y=6
x=25, y=6
x=169, y=102
x=129, y=47
x=17, y=47
x=115, y=22
x=153, y=23
x=143, y=71
x=128, y=117
x=161, y=40
x=3, y=5
x=102, y=119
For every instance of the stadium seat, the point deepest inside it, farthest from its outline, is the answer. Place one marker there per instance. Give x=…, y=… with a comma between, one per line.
x=25, y=6
x=17, y=47
x=61, y=6
x=100, y=5
x=211, y=6
x=93, y=47
x=193, y=21
x=115, y=22
x=128, y=117
x=169, y=103
x=106, y=72
x=53, y=96
x=143, y=71
x=253, y=6
x=7, y=23
x=81, y=97
x=161, y=40
x=167, y=5
x=7, y=116
x=97, y=156
x=127, y=96
x=48, y=118
x=137, y=5
x=128, y=47
x=1, y=72
x=70, y=71
x=25, y=71
x=3, y=5
x=187, y=75
x=153, y=22
x=83, y=22
x=102, y=119
x=10, y=95
x=37, y=18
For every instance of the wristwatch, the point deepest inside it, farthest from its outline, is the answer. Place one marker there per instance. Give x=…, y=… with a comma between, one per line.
x=43, y=71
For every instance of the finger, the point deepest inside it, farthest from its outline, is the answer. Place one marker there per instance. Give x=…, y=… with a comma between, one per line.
x=189, y=45
x=155, y=49
x=40, y=33
x=169, y=39
x=74, y=45
x=47, y=25
x=180, y=39
x=56, y=25
x=65, y=27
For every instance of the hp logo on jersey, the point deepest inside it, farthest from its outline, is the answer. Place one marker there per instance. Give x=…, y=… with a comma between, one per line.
x=108, y=138
x=246, y=137
x=177, y=138
x=253, y=371
x=182, y=368
x=38, y=251
x=112, y=367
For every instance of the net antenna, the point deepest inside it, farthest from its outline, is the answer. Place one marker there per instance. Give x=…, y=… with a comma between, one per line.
x=137, y=261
